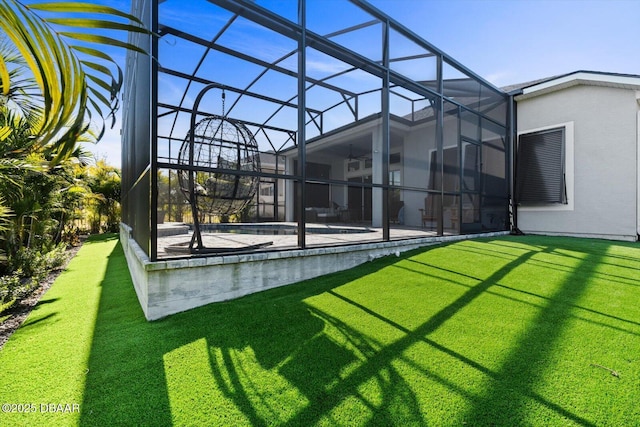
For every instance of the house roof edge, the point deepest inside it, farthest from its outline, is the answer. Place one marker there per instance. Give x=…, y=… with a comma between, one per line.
x=581, y=77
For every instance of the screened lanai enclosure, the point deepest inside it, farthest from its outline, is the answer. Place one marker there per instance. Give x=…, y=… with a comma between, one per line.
x=259, y=126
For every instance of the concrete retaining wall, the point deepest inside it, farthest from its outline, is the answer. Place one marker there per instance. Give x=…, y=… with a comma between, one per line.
x=168, y=287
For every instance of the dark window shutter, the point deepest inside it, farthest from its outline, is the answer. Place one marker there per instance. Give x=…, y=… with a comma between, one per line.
x=540, y=176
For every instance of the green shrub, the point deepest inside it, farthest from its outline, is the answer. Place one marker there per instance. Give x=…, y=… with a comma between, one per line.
x=9, y=285
x=30, y=262
x=37, y=264
x=56, y=257
x=28, y=268
x=14, y=287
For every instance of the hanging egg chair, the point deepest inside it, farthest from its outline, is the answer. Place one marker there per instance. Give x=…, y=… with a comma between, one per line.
x=221, y=146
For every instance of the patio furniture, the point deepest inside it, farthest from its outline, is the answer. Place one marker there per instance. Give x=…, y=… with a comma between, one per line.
x=432, y=206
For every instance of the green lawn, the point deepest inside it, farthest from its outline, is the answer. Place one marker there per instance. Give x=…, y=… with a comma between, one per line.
x=505, y=331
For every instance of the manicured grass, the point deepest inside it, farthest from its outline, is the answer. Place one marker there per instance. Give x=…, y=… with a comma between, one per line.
x=506, y=331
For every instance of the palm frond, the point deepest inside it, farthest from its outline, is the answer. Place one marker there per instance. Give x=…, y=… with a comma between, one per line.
x=5, y=216
x=71, y=7
x=5, y=131
x=5, y=81
x=59, y=64
x=94, y=23
x=19, y=89
x=84, y=156
x=16, y=134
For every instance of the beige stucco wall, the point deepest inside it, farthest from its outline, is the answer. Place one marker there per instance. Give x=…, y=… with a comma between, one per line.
x=604, y=199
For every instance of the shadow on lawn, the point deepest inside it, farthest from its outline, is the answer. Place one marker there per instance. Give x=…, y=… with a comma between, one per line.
x=126, y=382
x=505, y=401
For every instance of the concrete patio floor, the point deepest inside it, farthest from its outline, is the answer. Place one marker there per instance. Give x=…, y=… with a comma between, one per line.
x=319, y=235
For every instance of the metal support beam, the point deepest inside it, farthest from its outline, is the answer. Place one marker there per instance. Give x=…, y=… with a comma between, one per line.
x=302, y=138
x=386, y=132
x=440, y=145
x=251, y=59
x=511, y=162
x=153, y=162
x=404, y=31
x=233, y=89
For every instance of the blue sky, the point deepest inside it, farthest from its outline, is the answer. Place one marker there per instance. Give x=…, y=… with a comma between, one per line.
x=512, y=41
x=503, y=41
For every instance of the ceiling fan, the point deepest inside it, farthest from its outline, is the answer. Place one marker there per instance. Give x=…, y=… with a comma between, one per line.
x=351, y=156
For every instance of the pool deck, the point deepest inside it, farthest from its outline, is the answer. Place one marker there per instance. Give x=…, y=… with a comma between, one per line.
x=177, y=234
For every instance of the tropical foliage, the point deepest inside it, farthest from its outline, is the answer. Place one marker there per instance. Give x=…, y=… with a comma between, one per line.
x=58, y=88
x=103, y=208
x=171, y=199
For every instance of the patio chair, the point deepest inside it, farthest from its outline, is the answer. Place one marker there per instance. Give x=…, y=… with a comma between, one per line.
x=431, y=209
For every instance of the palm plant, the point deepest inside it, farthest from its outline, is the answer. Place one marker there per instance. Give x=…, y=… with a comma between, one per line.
x=74, y=80
x=104, y=182
x=14, y=163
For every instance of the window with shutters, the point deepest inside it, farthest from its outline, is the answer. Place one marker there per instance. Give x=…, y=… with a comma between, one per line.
x=540, y=168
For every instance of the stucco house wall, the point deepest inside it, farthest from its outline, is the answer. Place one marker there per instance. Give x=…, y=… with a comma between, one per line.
x=601, y=159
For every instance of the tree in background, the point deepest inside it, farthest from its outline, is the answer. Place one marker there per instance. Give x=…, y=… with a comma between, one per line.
x=104, y=207
x=171, y=199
